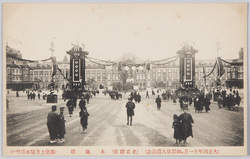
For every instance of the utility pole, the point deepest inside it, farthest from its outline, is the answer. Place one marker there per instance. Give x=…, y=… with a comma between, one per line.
x=217, y=48
x=52, y=48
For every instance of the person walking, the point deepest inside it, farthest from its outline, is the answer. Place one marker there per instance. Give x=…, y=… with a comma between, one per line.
x=17, y=94
x=52, y=124
x=87, y=97
x=82, y=103
x=158, y=101
x=197, y=104
x=130, y=111
x=61, y=125
x=38, y=95
x=138, y=98
x=69, y=104
x=207, y=103
x=84, y=118
x=147, y=96
x=177, y=128
x=186, y=121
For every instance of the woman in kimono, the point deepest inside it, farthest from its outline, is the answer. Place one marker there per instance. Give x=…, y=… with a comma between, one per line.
x=177, y=129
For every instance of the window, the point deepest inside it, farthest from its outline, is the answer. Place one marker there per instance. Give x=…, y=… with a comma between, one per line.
x=154, y=76
x=98, y=76
x=169, y=75
x=175, y=75
x=148, y=76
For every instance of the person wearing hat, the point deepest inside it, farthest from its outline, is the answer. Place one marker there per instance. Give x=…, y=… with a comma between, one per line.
x=158, y=101
x=83, y=114
x=69, y=104
x=61, y=124
x=82, y=103
x=186, y=121
x=52, y=124
x=130, y=110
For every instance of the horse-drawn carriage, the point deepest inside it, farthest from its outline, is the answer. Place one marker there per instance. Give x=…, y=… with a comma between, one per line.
x=115, y=95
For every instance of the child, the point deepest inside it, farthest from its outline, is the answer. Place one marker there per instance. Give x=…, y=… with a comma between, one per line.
x=176, y=127
x=84, y=118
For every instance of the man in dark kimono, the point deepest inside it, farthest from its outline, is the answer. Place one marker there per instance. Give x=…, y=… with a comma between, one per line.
x=138, y=98
x=130, y=110
x=197, y=104
x=61, y=125
x=70, y=107
x=186, y=121
x=158, y=101
x=207, y=103
x=147, y=96
x=83, y=114
x=82, y=103
x=87, y=97
x=52, y=123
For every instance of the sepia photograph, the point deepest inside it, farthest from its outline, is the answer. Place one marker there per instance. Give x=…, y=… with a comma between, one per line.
x=124, y=79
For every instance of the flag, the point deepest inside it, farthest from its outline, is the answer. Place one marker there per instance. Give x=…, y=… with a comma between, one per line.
x=54, y=66
x=220, y=67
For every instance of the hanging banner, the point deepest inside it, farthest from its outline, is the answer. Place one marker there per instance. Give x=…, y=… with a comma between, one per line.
x=188, y=69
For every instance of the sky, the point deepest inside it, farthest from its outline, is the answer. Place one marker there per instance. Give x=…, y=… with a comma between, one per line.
x=151, y=31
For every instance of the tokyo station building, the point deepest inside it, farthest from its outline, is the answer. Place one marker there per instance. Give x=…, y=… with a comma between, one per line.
x=22, y=75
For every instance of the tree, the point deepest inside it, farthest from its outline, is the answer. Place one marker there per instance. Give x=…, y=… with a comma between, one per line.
x=117, y=86
x=123, y=77
x=160, y=84
x=90, y=82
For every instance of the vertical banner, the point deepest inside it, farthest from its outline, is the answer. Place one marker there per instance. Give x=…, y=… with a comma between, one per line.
x=188, y=69
x=76, y=73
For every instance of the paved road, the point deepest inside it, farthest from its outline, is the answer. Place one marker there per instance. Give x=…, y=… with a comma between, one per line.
x=26, y=124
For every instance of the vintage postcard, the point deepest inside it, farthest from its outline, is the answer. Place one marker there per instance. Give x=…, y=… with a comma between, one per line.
x=125, y=79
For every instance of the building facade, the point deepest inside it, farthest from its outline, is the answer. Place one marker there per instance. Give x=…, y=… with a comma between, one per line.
x=22, y=75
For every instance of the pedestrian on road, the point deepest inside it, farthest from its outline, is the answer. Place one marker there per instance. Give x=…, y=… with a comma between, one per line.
x=38, y=95
x=177, y=129
x=220, y=101
x=17, y=94
x=138, y=98
x=87, y=97
x=174, y=98
x=207, y=103
x=52, y=124
x=31, y=95
x=69, y=104
x=147, y=96
x=186, y=121
x=84, y=118
x=158, y=101
x=181, y=102
x=82, y=103
x=130, y=110
x=197, y=104
x=185, y=103
x=237, y=99
x=62, y=130
x=74, y=102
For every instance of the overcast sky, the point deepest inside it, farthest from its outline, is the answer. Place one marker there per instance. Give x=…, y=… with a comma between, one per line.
x=151, y=31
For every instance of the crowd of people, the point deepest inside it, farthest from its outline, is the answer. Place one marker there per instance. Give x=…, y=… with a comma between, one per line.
x=182, y=124
x=56, y=123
